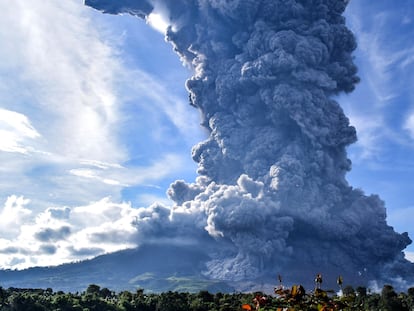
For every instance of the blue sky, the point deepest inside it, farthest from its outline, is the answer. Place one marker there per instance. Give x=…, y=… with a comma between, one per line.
x=95, y=123
x=382, y=106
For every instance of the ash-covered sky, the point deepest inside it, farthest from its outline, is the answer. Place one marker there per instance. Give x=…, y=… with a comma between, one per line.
x=95, y=123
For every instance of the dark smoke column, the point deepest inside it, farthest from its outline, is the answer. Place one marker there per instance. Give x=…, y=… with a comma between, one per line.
x=272, y=193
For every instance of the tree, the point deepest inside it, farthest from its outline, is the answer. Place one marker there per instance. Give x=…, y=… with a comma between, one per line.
x=93, y=289
x=361, y=291
x=348, y=291
x=389, y=300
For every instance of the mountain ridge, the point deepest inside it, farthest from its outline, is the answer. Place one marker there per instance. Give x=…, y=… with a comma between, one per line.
x=155, y=268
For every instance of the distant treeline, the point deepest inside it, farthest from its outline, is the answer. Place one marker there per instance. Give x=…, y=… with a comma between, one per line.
x=102, y=299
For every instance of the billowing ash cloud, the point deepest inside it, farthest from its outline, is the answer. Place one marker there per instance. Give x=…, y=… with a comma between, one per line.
x=272, y=194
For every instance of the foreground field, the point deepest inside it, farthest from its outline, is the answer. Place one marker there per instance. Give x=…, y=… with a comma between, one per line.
x=295, y=298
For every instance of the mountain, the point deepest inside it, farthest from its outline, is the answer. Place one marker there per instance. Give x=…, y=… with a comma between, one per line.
x=155, y=268
x=160, y=268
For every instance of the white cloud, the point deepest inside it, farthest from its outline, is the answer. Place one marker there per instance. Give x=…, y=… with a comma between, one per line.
x=64, y=96
x=15, y=131
x=58, y=90
x=157, y=21
x=369, y=133
x=373, y=56
x=68, y=73
x=409, y=256
x=165, y=166
x=64, y=234
x=381, y=54
x=158, y=18
x=148, y=199
x=13, y=213
x=409, y=125
x=379, y=107
x=91, y=174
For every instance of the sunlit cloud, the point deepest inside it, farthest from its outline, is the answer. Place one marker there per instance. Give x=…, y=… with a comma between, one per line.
x=13, y=214
x=409, y=256
x=158, y=22
x=15, y=130
x=64, y=234
x=65, y=94
x=158, y=18
x=163, y=167
x=67, y=71
x=147, y=199
x=60, y=86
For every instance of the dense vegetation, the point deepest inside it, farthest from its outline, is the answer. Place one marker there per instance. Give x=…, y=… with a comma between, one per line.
x=96, y=298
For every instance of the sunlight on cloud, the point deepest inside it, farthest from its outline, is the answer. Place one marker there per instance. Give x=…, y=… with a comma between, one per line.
x=68, y=74
x=86, y=173
x=15, y=129
x=409, y=256
x=158, y=22
x=158, y=18
x=13, y=213
x=121, y=176
x=61, y=77
x=63, y=96
x=59, y=86
x=18, y=122
x=99, y=164
x=64, y=234
x=67, y=82
x=148, y=199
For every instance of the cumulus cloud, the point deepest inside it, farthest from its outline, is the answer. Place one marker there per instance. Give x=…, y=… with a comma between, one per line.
x=63, y=234
x=64, y=141
x=13, y=212
x=272, y=193
x=52, y=234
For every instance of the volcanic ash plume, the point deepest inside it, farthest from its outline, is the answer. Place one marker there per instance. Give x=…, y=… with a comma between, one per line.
x=272, y=194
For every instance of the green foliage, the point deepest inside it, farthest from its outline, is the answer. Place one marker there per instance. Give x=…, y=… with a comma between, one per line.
x=93, y=289
x=296, y=298
x=390, y=300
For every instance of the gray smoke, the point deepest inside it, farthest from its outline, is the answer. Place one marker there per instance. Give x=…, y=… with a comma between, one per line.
x=272, y=194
